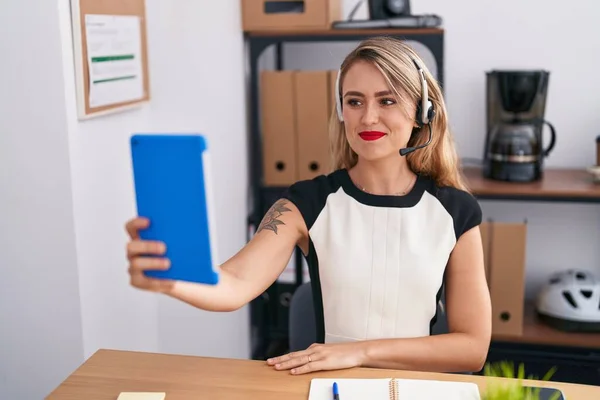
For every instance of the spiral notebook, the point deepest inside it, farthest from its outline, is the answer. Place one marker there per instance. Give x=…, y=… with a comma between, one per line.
x=410, y=389
x=393, y=389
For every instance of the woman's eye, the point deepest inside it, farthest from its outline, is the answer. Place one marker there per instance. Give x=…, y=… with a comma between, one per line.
x=357, y=103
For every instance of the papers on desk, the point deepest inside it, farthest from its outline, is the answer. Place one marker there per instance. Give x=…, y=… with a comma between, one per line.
x=393, y=389
x=141, y=396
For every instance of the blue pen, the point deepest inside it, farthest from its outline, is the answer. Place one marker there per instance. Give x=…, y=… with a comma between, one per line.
x=336, y=394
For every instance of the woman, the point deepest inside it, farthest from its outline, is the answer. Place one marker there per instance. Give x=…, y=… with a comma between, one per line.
x=382, y=233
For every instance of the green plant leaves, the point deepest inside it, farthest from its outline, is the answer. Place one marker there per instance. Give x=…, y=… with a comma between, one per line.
x=513, y=390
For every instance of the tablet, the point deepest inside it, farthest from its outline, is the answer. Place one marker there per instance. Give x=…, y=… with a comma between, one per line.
x=172, y=181
x=551, y=394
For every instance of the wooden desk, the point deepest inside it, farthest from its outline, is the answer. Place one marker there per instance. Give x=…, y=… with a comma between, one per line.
x=108, y=373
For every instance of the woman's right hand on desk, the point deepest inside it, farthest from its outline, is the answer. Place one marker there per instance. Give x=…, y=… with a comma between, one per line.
x=145, y=255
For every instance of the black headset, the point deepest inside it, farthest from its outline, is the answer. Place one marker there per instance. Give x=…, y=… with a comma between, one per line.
x=425, y=108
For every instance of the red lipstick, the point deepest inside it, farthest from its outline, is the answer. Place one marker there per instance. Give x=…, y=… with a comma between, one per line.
x=371, y=135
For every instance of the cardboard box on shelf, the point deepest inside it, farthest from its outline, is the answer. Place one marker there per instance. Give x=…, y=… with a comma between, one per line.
x=288, y=15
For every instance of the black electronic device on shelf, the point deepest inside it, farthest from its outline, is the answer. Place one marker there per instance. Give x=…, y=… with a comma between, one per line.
x=389, y=14
x=382, y=9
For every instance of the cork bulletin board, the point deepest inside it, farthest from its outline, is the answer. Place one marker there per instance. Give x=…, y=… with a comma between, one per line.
x=110, y=55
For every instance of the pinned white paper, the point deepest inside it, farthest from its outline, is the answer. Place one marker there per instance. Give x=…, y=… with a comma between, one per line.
x=114, y=57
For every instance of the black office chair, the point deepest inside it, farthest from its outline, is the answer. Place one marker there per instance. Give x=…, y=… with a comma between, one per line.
x=302, y=324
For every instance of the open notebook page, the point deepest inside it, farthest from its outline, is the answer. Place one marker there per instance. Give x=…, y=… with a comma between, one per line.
x=379, y=389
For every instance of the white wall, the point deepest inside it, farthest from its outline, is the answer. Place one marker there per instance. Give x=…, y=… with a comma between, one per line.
x=481, y=35
x=201, y=88
x=40, y=314
x=62, y=231
x=196, y=86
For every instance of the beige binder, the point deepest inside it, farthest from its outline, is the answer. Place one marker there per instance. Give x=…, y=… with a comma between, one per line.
x=312, y=112
x=505, y=254
x=278, y=127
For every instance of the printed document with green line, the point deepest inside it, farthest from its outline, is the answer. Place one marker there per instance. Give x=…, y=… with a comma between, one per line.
x=114, y=51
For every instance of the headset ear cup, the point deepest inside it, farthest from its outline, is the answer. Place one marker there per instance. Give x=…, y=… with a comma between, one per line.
x=419, y=114
x=430, y=112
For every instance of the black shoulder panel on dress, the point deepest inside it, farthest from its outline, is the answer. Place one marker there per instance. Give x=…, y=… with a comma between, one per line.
x=310, y=195
x=462, y=206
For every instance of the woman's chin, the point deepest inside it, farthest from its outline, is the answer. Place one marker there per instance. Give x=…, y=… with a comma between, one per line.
x=377, y=154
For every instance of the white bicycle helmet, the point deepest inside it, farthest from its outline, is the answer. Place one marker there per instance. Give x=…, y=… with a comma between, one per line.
x=570, y=301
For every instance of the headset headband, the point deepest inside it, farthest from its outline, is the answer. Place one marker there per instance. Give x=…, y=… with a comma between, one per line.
x=424, y=95
x=338, y=96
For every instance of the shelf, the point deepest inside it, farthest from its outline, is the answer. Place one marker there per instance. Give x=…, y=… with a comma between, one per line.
x=536, y=332
x=566, y=185
x=344, y=32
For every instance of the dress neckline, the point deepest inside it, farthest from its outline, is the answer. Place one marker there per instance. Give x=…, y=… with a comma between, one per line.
x=410, y=199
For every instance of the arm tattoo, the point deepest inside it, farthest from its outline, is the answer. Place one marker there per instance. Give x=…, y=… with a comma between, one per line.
x=270, y=220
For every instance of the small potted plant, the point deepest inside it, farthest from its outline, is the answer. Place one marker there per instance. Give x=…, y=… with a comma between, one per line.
x=512, y=390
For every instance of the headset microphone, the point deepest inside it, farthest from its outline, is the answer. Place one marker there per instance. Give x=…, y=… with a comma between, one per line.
x=408, y=150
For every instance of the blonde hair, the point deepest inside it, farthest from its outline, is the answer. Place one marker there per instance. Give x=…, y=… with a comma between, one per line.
x=394, y=59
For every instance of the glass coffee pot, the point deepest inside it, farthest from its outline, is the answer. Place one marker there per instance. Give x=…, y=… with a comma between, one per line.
x=515, y=110
x=520, y=141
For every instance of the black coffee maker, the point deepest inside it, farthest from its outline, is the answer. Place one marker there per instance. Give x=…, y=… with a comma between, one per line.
x=516, y=103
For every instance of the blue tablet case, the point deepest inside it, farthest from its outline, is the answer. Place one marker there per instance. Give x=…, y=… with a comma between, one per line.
x=172, y=189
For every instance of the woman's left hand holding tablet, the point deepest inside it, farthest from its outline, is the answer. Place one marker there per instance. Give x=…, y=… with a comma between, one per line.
x=145, y=255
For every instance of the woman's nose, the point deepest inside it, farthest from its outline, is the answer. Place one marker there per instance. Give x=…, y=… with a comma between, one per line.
x=370, y=115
